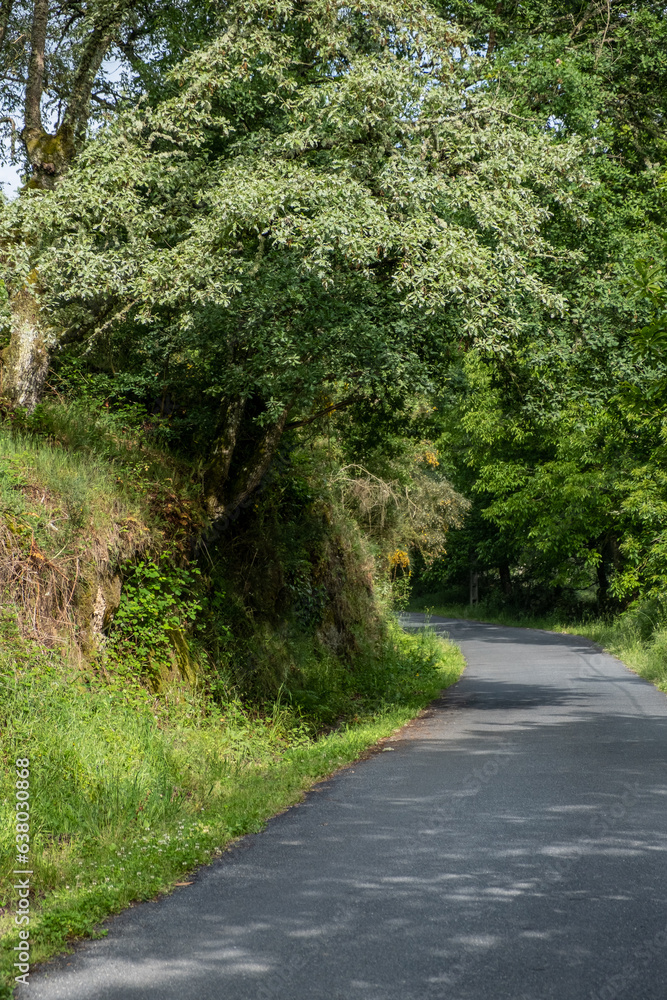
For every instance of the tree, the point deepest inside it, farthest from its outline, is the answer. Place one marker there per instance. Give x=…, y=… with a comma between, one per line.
x=310, y=221
x=54, y=83
x=63, y=66
x=559, y=439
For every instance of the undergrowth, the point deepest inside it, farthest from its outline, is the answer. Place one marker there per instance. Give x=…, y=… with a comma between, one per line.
x=172, y=695
x=80, y=497
x=50, y=494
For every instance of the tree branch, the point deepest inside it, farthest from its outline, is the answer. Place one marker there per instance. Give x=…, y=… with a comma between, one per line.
x=92, y=56
x=35, y=84
x=253, y=473
x=492, y=34
x=588, y=14
x=344, y=403
x=249, y=477
x=128, y=50
x=14, y=132
x=101, y=100
x=604, y=37
x=223, y=449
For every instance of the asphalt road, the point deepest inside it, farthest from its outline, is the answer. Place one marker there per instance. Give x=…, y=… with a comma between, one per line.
x=511, y=847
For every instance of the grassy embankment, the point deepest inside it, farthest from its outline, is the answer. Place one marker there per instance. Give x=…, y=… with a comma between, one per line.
x=638, y=637
x=152, y=748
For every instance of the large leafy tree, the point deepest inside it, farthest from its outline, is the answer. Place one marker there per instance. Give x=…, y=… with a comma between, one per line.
x=324, y=207
x=64, y=69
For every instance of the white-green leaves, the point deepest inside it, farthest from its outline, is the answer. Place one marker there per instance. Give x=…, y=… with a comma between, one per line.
x=318, y=140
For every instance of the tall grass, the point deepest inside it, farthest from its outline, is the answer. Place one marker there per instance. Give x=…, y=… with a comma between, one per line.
x=122, y=439
x=137, y=778
x=56, y=494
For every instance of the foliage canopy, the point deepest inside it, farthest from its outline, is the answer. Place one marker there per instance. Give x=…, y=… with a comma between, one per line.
x=326, y=204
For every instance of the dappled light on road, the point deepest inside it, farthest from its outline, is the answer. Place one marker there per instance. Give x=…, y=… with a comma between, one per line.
x=512, y=846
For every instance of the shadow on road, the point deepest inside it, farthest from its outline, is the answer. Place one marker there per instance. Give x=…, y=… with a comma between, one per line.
x=511, y=847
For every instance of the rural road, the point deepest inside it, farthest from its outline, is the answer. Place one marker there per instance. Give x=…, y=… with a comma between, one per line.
x=513, y=846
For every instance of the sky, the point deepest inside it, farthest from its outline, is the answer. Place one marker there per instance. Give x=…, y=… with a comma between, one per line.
x=10, y=180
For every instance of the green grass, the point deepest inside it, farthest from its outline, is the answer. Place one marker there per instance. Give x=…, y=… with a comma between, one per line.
x=73, y=470
x=51, y=495
x=487, y=613
x=130, y=792
x=81, y=500
x=200, y=713
x=638, y=637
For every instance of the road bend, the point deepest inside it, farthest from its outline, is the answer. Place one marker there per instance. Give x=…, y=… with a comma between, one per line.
x=510, y=844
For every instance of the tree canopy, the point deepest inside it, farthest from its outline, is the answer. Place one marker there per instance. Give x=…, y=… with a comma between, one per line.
x=325, y=205
x=288, y=211
x=65, y=68
x=560, y=441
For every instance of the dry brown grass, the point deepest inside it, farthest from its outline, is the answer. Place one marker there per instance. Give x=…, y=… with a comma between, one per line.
x=414, y=512
x=66, y=526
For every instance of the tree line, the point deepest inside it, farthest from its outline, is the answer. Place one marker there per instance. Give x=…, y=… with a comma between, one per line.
x=399, y=222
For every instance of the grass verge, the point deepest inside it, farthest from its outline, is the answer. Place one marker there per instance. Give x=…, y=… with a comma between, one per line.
x=129, y=792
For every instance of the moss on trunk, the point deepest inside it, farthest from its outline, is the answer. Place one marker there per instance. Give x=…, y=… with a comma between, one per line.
x=25, y=362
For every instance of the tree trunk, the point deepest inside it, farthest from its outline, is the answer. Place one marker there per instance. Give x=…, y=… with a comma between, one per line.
x=50, y=155
x=492, y=35
x=253, y=472
x=227, y=493
x=217, y=474
x=25, y=362
x=5, y=14
x=603, y=583
x=505, y=579
x=95, y=48
x=41, y=156
x=474, y=587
